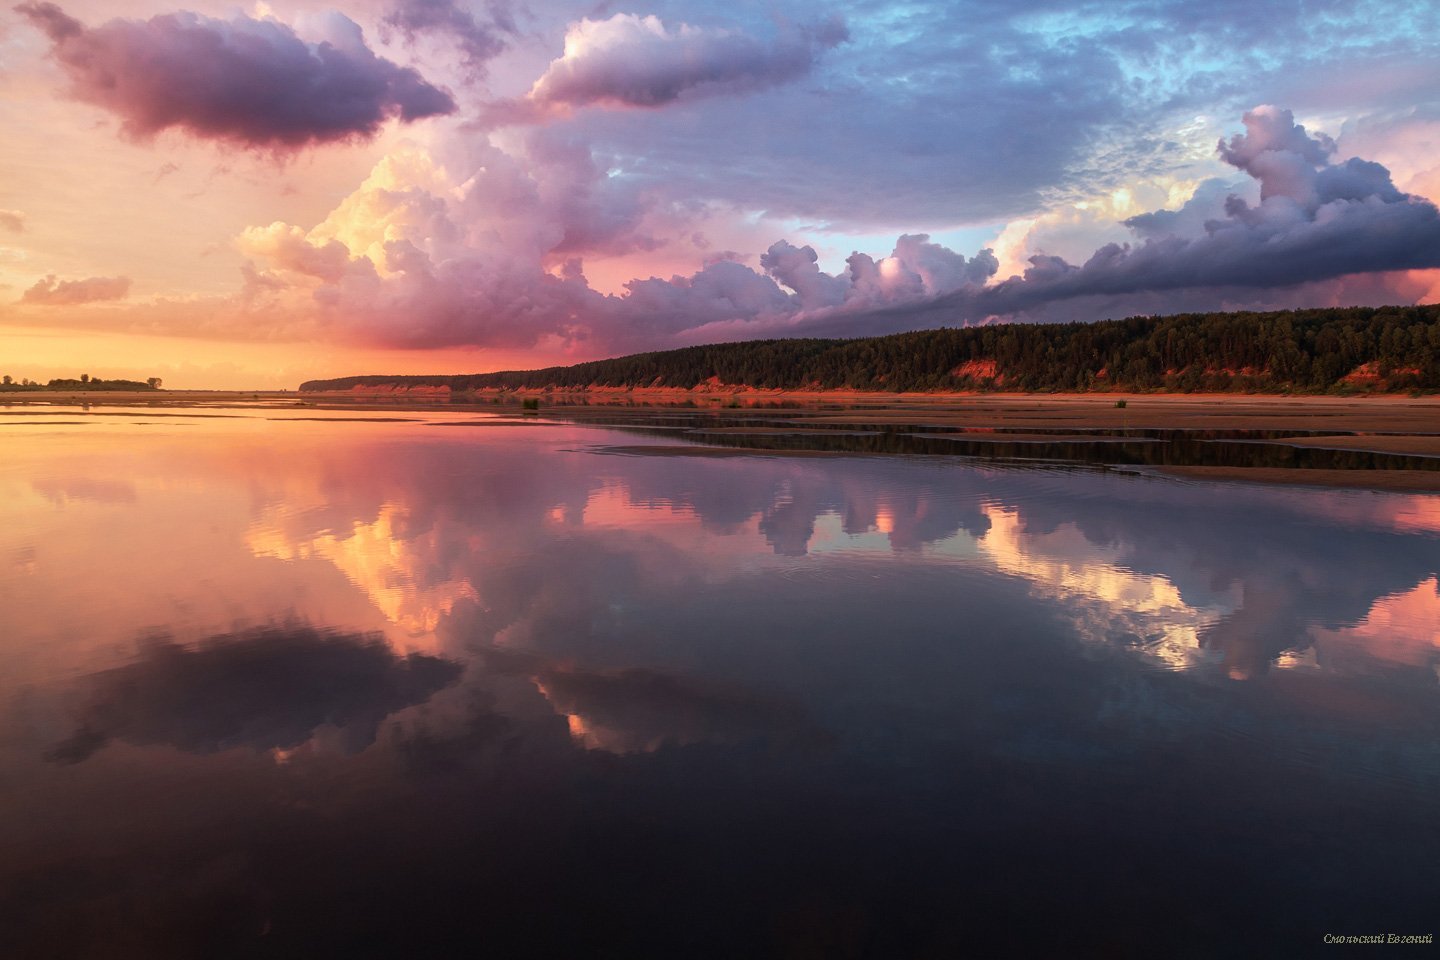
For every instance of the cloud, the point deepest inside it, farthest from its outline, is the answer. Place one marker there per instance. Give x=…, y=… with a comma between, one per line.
x=1207, y=203
x=68, y=293
x=252, y=83
x=1316, y=222
x=471, y=245
x=915, y=269
x=478, y=42
x=287, y=248
x=797, y=268
x=895, y=130
x=264, y=689
x=12, y=220
x=634, y=61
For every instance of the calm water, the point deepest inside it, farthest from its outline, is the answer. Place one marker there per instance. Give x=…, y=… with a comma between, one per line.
x=285, y=687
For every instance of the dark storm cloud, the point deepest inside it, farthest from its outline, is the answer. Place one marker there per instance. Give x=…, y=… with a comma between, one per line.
x=268, y=688
x=249, y=82
x=69, y=293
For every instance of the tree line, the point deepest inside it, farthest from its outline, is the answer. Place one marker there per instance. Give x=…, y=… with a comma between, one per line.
x=1328, y=350
x=85, y=382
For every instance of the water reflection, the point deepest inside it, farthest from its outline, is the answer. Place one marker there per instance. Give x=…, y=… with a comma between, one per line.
x=60, y=490
x=640, y=710
x=270, y=688
x=376, y=556
x=1401, y=630
x=1106, y=601
x=708, y=707
x=1191, y=575
x=532, y=544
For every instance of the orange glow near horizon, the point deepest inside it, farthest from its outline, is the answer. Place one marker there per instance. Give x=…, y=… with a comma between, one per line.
x=42, y=354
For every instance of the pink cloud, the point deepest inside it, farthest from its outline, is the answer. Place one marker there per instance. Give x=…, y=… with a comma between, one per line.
x=476, y=247
x=633, y=61
x=248, y=82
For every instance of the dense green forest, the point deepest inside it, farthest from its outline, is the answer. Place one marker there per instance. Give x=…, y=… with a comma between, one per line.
x=1332, y=350
x=8, y=383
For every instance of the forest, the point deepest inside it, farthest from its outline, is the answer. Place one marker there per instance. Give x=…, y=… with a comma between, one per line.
x=1328, y=350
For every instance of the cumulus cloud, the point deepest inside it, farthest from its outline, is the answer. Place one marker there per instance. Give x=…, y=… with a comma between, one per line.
x=633, y=61
x=288, y=248
x=915, y=269
x=486, y=250
x=253, y=83
x=1315, y=221
x=797, y=268
x=12, y=220
x=50, y=292
x=480, y=247
x=1207, y=203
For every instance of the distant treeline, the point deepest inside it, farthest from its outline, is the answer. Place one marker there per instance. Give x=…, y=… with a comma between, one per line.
x=84, y=383
x=1332, y=350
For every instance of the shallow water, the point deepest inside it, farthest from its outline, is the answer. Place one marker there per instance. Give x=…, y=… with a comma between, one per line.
x=278, y=686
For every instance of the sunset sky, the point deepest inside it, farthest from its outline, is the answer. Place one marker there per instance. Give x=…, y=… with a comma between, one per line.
x=248, y=197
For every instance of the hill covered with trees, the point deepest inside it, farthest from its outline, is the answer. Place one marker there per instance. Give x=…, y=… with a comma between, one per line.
x=1331, y=350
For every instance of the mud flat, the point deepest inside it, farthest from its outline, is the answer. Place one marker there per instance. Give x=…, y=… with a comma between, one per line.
x=1419, y=445
x=1400, y=481
x=1388, y=414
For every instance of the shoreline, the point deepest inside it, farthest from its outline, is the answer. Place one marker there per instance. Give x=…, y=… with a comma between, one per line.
x=1387, y=423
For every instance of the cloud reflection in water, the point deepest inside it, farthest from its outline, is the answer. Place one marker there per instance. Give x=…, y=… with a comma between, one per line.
x=269, y=688
x=697, y=690
x=1189, y=574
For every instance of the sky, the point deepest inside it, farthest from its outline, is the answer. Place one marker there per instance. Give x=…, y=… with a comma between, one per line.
x=246, y=197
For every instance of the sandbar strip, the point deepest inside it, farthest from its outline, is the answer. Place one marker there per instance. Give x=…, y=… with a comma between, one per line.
x=664, y=450
x=1031, y=438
